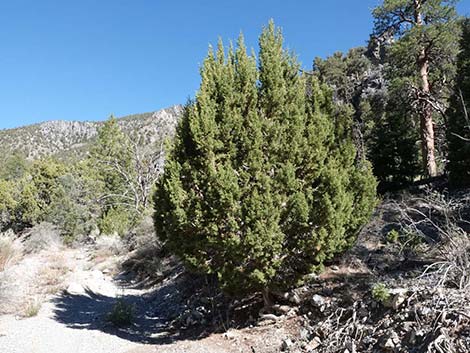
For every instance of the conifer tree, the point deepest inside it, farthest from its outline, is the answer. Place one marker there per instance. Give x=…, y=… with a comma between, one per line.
x=394, y=151
x=38, y=191
x=260, y=186
x=111, y=149
x=7, y=203
x=14, y=167
x=458, y=133
x=111, y=169
x=426, y=36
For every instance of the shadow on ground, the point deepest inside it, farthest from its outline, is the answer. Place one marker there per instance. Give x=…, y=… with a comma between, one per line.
x=161, y=316
x=90, y=312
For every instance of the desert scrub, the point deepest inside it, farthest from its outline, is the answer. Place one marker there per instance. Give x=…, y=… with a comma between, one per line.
x=32, y=308
x=393, y=236
x=10, y=251
x=122, y=314
x=380, y=293
x=407, y=239
x=42, y=236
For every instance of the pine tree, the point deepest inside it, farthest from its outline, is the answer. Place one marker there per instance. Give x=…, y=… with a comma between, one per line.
x=458, y=133
x=426, y=36
x=111, y=149
x=394, y=151
x=110, y=167
x=260, y=186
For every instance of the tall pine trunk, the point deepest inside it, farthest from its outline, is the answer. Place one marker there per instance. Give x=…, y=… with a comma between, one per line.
x=426, y=121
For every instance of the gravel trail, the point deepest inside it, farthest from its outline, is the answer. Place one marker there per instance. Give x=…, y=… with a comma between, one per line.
x=72, y=322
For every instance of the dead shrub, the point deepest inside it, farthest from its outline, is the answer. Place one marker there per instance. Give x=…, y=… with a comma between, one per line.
x=10, y=250
x=6, y=290
x=438, y=220
x=42, y=236
x=142, y=235
x=51, y=277
x=454, y=266
x=109, y=244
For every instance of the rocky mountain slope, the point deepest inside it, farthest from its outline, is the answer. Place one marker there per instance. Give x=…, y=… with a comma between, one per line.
x=66, y=139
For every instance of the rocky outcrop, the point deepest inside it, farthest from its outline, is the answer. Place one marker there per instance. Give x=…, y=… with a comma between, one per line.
x=65, y=139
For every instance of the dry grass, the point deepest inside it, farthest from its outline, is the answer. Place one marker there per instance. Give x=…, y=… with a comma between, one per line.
x=454, y=264
x=101, y=256
x=7, y=305
x=106, y=250
x=51, y=277
x=10, y=251
x=109, y=244
x=32, y=307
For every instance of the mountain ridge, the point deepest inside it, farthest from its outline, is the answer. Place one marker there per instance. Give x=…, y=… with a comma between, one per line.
x=70, y=139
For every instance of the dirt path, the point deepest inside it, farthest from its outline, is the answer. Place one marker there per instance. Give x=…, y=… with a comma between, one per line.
x=72, y=321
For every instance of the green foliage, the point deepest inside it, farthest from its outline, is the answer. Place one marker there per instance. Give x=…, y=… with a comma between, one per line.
x=45, y=178
x=115, y=220
x=411, y=241
x=46, y=192
x=112, y=172
x=421, y=61
x=438, y=35
x=350, y=77
x=260, y=186
x=122, y=314
x=14, y=167
x=103, y=190
x=408, y=240
x=394, y=148
x=39, y=191
x=7, y=203
x=110, y=156
x=380, y=293
x=458, y=133
x=72, y=211
x=384, y=122
x=393, y=236
x=344, y=73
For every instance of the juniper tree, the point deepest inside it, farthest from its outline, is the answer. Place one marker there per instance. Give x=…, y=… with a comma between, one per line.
x=38, y=191
x=7, y=203
x=459, y=122
x=260, y=185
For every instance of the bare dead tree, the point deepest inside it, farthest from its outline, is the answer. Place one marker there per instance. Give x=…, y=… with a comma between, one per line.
x=139, y=175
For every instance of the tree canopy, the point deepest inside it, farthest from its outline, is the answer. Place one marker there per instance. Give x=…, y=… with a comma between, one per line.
x=261, y=186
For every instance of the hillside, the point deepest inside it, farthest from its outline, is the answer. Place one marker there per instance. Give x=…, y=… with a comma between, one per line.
x=68, y=139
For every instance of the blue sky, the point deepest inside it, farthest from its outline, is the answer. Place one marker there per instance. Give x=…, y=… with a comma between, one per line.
x=86, y=59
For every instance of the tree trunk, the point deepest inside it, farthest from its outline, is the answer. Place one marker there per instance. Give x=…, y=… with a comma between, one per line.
x=426, y=121
x=427, y=125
